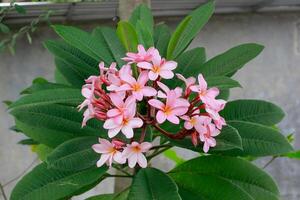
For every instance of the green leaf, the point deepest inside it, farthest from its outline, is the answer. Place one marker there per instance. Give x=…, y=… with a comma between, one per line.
x=257, y=111
x=229, y=138
x=78, y=60
x=231, y=60
x=49, y=184
x=42, y=151
x=20, y=9
x=150, y=183
x=226, y=178
x=128, y=36
x=28, y=141
x=4, y=28
x=74, y=155
x=143, y=14
x=111, y=42
x=40, y=84
x=144, y=35
x=84, y=42
x=102, y=197
x=172, y=155
x=59, y=77
x=44, y=97
x=161, y=37
x=188, y=29
x=54, y=124
x=259, y=140
x=222, y=82
x=224, y=94
x=293, y=155
x=176, y=36
x=7, y=102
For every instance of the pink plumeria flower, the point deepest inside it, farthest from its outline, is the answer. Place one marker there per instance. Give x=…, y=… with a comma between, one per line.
x=104, y=72
x=134, y=153
x=140, y=56
x=114, y=79
x=207, y=137
x=218, y=120
x=158, y=67
x=120, y=106
x=163, y=94
x=170, y=111
x=188, y=83
x=128, y=123
x=109, y=153
x=206, y=95
x=137, y=87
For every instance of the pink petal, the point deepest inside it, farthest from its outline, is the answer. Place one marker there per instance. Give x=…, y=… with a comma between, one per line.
x=213, y=92
x=156, y=103
x=206, y=147
x=152, y=76
x=156, y=58
x=123, y=87
x=195, y=88
x=113, y=113
x=127, y=131
x=171, y=98
x=109, y=124
x=127, y=78
x=98, y=148
x=162, y=95
x=148, y=91
x=143, y=78
x=160, y=117
x=141, y=49
x=188, y=125
x=116, y=99
x=163, y=87
x=103, y=159
x=119, y=158
x=169, y=65
x=135, y=122
x=145, y=146
x=87, y=93
x=173, y=119
x=132, y=160
x=138, y=95
x=113, y=132
x=180, y=110
x=166, y=74
x=211, y=142
x=144, y=65
x=202, y=82
x=142, y=161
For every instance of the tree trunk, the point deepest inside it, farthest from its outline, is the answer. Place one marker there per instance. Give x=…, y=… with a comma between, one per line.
x=127, y=6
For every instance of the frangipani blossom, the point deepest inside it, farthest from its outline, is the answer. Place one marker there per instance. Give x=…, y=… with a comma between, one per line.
x=188, y=83
x=140, y=56
x=170, y=111
x=206, y=95
x=126, y=126
x=109, y=153
x=158, y=67
x=137, y=87
x=207, y=137
x=166, y=90
x=120, y=106
x=134, y=153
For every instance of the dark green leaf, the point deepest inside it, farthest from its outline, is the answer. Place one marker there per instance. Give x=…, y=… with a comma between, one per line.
x=231, y=60
x=40, y=84
x=226, y=178
x=54, y=124
x=74, y=155
x=143, y=14
x=229, y=138
x=150, y=183
x=222, y=82
x=4, y=28
x=128, y=36
x=84, y=42
x=44, y=97
x=102, y=197
x=259, y=140
x=144, y=35
x=188, y=29
x=161, y=37
x=20, y=9
x=257, y=111
x=28, y=141
x=49, y=184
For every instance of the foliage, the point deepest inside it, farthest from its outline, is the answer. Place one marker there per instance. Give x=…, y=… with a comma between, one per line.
x=46, y=113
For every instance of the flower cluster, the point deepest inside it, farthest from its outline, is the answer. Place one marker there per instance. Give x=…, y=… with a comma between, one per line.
x=117, y=96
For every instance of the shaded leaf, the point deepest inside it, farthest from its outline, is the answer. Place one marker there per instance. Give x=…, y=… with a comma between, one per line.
x=128, y=36
x=161, y=37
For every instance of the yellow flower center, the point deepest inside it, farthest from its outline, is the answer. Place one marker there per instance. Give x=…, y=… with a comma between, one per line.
x=193, y=121
x=156, y=69
x=136, y=87
x=167, y=110
x=136, y=149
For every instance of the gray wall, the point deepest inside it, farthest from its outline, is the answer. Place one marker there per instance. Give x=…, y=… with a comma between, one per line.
x=274, y=76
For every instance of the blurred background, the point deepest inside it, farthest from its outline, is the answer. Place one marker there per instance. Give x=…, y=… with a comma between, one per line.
x=273, y=76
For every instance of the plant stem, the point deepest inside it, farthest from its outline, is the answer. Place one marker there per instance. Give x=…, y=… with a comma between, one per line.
x=121, y=170
x=158, y=152
x=160, y=146
x=3, y=192
x=120, y=176
x=270, y=161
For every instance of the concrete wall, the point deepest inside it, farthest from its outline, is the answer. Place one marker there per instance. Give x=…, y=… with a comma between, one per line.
x=274, y=76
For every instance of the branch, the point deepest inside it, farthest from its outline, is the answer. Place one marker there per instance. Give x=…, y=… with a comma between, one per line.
x=3, y=192
x=270, y=161
x=158, y=152
x=116, y=175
